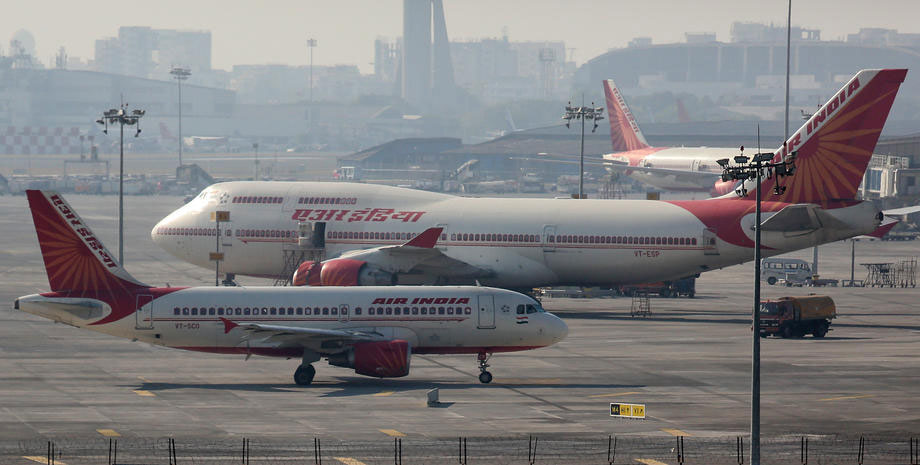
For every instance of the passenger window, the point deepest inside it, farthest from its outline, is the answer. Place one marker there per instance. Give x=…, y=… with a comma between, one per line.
x=389, y=310
x=176, y=311
x=194, y=310
x=273, y=310
x=335, y=310
x=450, y=310
x=357, y=310
x=415, y=310
x=325, y=310
x=211, y=311
x=397, y=311
x=239, y=311
x=467, y=310
x=307, y=310
x=440, y=310
x=424, y=310
x=220, y=311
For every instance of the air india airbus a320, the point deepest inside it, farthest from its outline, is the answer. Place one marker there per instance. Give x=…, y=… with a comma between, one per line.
x=374, y=330
x=526, y=243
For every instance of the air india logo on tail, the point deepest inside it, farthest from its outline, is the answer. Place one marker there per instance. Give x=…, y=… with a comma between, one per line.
x=84, y=233
x=625, y=134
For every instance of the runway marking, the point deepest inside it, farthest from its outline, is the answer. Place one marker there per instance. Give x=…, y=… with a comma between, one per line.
x=109, y=433
x=144, y=393
x=349, y=461
x=650, y=462
x=39, y=459
x=861, y=396
x=393, y=432
x=384, y=394
x=615, y=394
x=675, y=432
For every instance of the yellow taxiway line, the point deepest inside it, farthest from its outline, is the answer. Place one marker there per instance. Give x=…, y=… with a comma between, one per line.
x=144, y=393
x=109, y=433
x=861, y=396
x=650, y=462
x=384, y=394
x=349, y=461
x=675, y=432
x=39, y=459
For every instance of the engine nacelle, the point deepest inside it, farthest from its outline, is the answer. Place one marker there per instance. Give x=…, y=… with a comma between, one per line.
x=384, y=359
x=341, y=272
x=721, y=188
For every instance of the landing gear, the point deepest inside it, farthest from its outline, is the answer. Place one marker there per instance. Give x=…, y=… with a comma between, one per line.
x=484, y=376
x=229, y=280
x=304, y=375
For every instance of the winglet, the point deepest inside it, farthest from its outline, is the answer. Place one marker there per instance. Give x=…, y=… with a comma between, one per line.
x=228, y=325
x=426, y=239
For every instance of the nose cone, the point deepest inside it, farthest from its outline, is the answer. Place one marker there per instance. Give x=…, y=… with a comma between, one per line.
x=167, y=233
x=556, y=329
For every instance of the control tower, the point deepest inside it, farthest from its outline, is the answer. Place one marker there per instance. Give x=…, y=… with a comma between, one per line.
x=426, y=70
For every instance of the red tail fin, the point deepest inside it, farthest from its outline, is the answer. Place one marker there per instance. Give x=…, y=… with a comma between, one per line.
x=75, y=260
x=835, y=144
x=624, y=130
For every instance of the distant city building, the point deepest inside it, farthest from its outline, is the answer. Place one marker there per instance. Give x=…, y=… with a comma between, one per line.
x=757, y=32
x=426, y=72
x=883, y=37
x=150, y=53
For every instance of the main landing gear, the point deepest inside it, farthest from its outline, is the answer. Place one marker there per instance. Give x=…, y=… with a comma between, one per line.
x=484, y=376
x=304, y=375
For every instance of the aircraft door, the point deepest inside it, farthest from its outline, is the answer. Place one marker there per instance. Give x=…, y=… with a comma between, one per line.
x=226, y=233
x=709, y=242
x=444, y=235
x=486, y=312
x=343, y=314
x=549, y=238
x=291, y=199
x=144, y=312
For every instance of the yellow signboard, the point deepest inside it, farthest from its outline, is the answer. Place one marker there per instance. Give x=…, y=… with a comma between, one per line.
x=627, y=410
x=220, y=215
x=216, y=256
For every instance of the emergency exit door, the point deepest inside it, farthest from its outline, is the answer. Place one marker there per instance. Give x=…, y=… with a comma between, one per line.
x=144, y=312
x=486, y=312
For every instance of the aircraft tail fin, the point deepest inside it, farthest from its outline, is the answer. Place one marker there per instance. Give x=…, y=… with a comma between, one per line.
x=625, y=134
x=835, y=145
x=75, y=260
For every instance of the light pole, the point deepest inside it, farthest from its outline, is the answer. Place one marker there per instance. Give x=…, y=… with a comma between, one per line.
x=582, y=113
x=180, y=74
x=745, y=170
x=311, y=44
x=121, y=117
x=255, y=147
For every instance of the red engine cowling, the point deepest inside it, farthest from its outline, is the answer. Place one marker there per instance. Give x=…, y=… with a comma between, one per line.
x=307, y=274
x=386, y=359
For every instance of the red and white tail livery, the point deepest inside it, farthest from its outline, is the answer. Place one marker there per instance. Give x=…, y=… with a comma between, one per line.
x=624, y=129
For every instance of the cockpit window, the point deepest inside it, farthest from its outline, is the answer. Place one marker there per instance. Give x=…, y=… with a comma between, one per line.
x=534, y=308
x=520, y=309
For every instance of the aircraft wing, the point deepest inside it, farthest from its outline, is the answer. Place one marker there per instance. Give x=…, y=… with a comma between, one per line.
x=315, y=338
x=902, y=211
x=703, y=178
x=417, y=255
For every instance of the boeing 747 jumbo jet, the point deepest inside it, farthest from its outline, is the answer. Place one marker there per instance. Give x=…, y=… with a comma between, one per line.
x=374, y=330
x=526, y=243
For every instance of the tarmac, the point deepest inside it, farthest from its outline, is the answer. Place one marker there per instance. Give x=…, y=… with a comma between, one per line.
x=689, y=363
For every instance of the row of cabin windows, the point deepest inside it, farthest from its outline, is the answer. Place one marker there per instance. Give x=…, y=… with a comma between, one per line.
x=327, y=200
x=258, y=199
x=266, y=233
x=242, y=311
x=463, y=237
x=419, y=310
x=189, y=231
x=641, y=240
x=386, y=236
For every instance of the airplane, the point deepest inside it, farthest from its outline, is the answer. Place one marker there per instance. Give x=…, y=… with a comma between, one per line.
x=691, y=169
x=374, y=330
x=527, y=243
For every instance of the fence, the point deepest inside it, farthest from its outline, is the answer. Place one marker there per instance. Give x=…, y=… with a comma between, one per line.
x=532, y=450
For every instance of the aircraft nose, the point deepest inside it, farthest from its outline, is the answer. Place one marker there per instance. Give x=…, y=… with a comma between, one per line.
x=556, y=328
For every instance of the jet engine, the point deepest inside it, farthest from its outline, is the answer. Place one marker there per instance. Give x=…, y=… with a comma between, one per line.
x=721, y=188
x=384, y=359
x=341, y=272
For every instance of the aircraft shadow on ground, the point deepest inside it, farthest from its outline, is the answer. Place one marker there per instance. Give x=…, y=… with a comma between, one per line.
x=656, y=317
x=348, y=386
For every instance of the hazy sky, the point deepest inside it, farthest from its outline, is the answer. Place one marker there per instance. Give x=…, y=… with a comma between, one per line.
x=249, y=32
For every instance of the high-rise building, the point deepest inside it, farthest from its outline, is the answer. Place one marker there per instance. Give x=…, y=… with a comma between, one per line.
x=426, y=73
x=145, y=52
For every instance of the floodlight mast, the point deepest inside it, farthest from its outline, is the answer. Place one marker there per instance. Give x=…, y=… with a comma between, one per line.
x=180, y=74
x=582, y=113
x=121, y=117
x=744, y=170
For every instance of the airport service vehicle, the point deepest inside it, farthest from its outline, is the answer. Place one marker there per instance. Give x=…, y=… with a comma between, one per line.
x=527, y=243
x=792, y=270
x=797, y=316
x=374, y=330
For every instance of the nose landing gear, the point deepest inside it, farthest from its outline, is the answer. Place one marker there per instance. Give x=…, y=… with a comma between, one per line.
x=304, y=374
x=484, y=376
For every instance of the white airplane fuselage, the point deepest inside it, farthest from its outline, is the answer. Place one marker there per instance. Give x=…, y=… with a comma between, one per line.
x=689, y=159
x=521, y=243
x=455, y=319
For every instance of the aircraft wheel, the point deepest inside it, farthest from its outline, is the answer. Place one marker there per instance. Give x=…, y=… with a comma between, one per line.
x=304, y=374
x=820, y=330
x=771, y=280
x=485, y=377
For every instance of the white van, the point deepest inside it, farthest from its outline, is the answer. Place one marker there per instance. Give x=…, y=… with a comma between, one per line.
x=793, y=270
